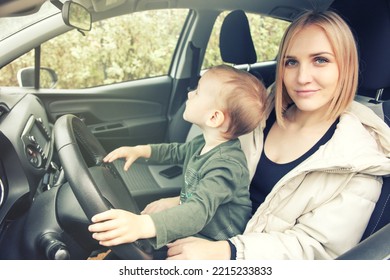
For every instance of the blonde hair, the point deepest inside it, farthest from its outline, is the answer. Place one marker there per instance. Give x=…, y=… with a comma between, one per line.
x=344, y=47
x=242, y=99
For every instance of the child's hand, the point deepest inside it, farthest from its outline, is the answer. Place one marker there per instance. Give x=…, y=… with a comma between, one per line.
x=130, y=154
x=161, y=204
x=114, y=227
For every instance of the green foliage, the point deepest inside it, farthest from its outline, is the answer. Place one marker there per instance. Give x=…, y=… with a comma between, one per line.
x=115, y=50
x=131, y=47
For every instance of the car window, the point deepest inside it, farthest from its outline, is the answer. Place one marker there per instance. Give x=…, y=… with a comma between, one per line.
x=266, y=35
x=125, y=48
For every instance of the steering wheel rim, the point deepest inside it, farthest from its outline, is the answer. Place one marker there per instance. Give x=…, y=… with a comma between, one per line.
x=94, y=186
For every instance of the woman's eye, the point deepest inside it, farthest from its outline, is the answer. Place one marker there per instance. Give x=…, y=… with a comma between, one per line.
x=290, y=62
x=321, y=60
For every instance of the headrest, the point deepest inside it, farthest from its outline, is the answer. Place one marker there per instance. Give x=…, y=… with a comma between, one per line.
x=374, y=39
x=235, y=41
x=371, y=26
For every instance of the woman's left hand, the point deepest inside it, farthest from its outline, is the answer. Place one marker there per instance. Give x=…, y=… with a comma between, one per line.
x=193, y=248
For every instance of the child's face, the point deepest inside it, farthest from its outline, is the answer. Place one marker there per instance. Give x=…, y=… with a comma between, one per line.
x=202, y=101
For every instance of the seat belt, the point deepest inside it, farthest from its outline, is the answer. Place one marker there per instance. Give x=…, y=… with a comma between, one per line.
x=179, y=103
x=194, y=67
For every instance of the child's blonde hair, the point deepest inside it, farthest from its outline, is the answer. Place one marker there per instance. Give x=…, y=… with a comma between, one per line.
x=242, y=97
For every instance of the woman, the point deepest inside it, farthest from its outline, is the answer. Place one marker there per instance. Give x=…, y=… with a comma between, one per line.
x=320, y=156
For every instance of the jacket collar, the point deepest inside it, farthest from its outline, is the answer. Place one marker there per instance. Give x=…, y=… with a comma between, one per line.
x=361, y=143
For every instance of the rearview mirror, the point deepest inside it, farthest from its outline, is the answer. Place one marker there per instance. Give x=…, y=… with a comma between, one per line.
x=77, y=16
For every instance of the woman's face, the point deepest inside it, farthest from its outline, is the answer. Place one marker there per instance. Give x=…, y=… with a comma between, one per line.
x=311, y=70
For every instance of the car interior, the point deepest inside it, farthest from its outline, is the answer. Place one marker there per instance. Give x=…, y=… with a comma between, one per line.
x=374, y=90
x=144, y=177
x=51, y=223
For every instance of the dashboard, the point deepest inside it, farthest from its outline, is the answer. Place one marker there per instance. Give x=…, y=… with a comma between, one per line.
x=32, y=185
x=26, y=153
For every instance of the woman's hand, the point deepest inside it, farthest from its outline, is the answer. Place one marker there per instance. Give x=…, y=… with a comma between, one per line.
x=161, y=204
x=130, y=154
x=114, y=227
x=193, y=248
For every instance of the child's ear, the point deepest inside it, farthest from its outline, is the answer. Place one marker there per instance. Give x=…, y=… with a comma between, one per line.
x=216, y=119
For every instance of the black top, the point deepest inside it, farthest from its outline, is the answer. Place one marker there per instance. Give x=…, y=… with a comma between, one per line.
x=268, y=173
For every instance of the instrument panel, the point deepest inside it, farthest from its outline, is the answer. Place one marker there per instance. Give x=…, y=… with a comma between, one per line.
x=26, y=150
x=36, y=139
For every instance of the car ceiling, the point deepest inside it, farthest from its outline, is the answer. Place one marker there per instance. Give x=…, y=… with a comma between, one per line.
x=283, y=9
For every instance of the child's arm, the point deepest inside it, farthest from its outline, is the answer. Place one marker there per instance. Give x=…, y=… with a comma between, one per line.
x=161, y=204
x=115, y=226
x=130, y=154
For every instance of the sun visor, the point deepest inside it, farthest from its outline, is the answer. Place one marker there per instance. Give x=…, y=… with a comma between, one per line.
x=10, y=8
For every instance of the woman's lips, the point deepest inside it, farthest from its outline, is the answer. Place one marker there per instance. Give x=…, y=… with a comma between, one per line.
x=306, y=92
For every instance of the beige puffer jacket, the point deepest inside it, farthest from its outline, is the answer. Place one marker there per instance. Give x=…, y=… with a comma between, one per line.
x=321, y=208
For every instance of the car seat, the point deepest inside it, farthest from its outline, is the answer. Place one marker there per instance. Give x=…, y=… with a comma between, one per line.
x=381, y=215
x=143, y=179
x=375, y=242
x=369, y=25
x=238, y=49
x=374, y=92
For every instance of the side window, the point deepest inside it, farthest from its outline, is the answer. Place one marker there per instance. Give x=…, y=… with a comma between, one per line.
x=266, y=33
x=125, y=48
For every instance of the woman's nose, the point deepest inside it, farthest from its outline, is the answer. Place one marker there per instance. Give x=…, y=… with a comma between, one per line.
x=304, y=74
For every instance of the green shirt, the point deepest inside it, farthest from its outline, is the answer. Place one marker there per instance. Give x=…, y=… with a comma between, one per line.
x=214, y=198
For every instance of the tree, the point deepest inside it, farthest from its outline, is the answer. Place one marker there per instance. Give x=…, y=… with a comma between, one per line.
x=132, y=47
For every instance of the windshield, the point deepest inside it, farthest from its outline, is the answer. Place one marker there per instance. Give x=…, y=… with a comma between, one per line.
x=11, y=25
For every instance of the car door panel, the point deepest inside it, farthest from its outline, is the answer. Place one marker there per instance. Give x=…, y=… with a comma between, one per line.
x=127, y=114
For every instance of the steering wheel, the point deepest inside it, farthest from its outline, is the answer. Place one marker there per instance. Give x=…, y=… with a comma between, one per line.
x=97, y=186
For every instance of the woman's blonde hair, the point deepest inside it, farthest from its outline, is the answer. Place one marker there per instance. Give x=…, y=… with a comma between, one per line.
x=344, y=47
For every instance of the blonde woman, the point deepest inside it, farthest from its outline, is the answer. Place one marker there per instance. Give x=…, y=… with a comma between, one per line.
x=318, y=162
